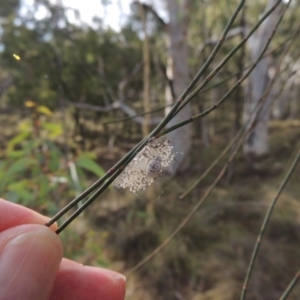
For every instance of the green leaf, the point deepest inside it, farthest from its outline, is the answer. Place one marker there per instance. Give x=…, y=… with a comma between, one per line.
x=20, y=165
x=54, y=129
x=2, y=165
x=44, y=190
x=142, y=214
x=103, y=263
x=55, y=156
x=16, y=140
x=26, y=126
x=31, y=145
x=44, y=110
x=15, y=154
x=12, y=196
x=19, y=184
x=75, y=178
x=25, y=195
x=87, y=163
x=2, y=175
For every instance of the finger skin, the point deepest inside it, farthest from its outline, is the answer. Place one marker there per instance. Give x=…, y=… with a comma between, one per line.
x=73, y=281
x=77, y=282
x=12, y=214
x=30, y=257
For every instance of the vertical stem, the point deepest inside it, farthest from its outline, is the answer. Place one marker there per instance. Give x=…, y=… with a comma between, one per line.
x=290, y=286
x=265, y=223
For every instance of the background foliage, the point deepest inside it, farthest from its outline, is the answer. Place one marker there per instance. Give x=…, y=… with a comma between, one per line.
x=61, y=85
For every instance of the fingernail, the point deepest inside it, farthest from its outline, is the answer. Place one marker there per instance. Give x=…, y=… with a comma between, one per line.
x=29, y=264
x=123, y=277
x=118, y=276
x=114, y=276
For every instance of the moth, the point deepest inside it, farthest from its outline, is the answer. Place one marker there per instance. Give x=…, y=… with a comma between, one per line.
x=147, y=166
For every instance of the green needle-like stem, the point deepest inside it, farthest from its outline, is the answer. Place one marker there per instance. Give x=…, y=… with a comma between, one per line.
x=265, y=223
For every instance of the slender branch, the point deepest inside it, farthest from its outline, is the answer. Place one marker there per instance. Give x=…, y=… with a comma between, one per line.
x=255, y=111
x=205, y=89
x=231, y=34
x=88, y=202
x=117, y=169
x=290, y=286
x=190, y=214
x=153, y=11
x=109, y=108
x=267, y=217
x=118, y=105
x=227, y=58
x=131, y=154
x=126, y=80
x=216, y=161
x=233, y=88
x=98, y=183
x=123, y=162
x=135, y=116
x=250, y=124
x=265, y=223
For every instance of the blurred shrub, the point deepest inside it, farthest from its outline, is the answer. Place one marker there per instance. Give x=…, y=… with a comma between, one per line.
x=34, y=171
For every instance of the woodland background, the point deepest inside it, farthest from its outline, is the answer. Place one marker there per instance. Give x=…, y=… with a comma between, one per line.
x=76, y=97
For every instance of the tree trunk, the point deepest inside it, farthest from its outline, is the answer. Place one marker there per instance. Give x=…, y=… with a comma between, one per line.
x=146, y=75
x=286, y=93
x=150, y=193
x=257, y=144
x=177, y=72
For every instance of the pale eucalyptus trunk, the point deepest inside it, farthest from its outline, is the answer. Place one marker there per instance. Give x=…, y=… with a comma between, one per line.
x=177, y=72
x=257, y=144
x=147, y=107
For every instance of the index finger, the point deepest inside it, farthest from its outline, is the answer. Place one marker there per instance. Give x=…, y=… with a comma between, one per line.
x=12, y=215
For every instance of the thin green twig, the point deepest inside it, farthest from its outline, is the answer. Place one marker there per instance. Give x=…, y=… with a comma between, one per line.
x=290, y=286
x=87, y=202
x=211, y=57
x=250, y=124
x=216, y=161
x=192, y=212
x=235, y=86
x=95, y=185
x=265, y=223
x=219, y=83
x=225, y=60
x=131, y=154
x=246, y=125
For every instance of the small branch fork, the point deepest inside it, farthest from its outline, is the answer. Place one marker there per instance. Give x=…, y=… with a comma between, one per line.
x=101, y=184
x=290, y=286
x=264, y=226
x=243, y=134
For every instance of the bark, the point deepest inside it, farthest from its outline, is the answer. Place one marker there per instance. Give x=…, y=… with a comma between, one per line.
x=257, y=144
x=285, y=87
x=146, y=75
x=147, y=107
x=177, y=72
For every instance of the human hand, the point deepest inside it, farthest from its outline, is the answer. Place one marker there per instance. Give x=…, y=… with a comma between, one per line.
x=31, y=264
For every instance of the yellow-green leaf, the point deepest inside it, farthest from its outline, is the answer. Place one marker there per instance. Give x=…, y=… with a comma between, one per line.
x=44, y=110
x=54, y=129
x=16, y=140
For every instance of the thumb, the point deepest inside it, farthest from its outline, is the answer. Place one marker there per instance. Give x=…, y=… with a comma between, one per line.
x=30, y=256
